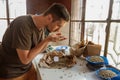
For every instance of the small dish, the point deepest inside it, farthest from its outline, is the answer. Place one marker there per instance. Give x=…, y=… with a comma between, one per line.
x=104, y=62
x=108, y=74
x=61, y=47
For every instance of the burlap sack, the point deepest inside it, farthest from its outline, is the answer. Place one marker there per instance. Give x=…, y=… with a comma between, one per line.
x=77, y=52
x=77, y=49
x=92, y=50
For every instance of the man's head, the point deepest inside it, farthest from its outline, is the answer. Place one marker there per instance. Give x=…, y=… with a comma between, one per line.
x=58, y=11
x=59, y=16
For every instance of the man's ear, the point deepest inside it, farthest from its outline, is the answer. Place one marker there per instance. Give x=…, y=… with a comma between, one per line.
x=50, y=18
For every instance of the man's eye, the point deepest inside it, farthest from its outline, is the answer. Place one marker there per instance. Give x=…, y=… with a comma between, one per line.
x=59, y=26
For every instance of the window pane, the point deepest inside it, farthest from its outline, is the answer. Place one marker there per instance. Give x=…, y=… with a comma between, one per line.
x=76, y=9
x=75, y=32
x=95, y=32
x=17, y=8
x=114, y=45
x=97, y=9
x=3, y=27
x=2, y=8
x=116, y=9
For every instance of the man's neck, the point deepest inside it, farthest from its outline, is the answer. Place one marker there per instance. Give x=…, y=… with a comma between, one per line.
x=38, y=21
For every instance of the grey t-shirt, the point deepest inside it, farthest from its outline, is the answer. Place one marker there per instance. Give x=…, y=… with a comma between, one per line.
x=22, y=34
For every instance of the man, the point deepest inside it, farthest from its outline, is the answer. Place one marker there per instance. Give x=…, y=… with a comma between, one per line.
x=25, y=39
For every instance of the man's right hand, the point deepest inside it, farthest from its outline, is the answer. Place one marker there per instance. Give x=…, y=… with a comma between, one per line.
x=54, y=37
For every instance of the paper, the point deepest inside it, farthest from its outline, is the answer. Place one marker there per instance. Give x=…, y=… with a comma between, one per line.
x=56, y=58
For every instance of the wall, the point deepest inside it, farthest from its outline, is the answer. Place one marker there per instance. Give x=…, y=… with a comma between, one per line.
x=38, y=6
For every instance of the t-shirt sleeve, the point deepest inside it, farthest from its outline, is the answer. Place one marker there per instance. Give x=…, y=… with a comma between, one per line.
x=21, y=36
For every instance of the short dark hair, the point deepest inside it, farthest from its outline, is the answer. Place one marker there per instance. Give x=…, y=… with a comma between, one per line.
x=58, y=12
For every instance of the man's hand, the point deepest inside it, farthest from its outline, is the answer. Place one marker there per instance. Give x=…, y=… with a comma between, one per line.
x=54, y=37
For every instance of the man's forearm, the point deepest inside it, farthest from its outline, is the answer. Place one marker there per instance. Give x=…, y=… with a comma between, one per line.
x=37, y=49
x=27, y=56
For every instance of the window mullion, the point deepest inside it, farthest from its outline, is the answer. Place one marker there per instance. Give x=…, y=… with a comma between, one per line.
x=108, y=27
x=7, y=12
x=83, y=20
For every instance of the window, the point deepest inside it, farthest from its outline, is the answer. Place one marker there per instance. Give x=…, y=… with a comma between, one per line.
x=98, y=21
x=9, y=10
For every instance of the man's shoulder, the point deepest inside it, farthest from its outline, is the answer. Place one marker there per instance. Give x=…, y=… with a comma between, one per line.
x=25, y=20
x=23, y=17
